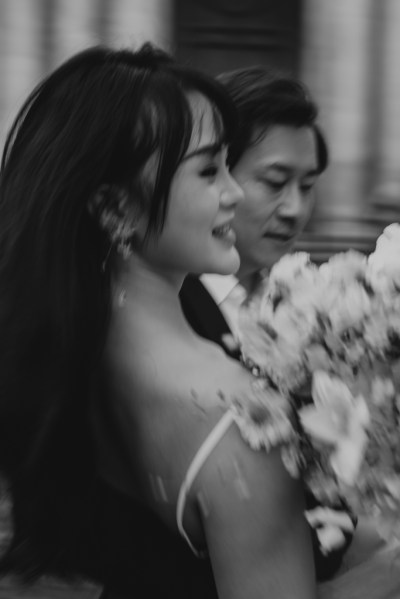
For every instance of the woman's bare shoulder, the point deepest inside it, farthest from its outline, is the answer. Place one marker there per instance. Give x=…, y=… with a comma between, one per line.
x=178, y=371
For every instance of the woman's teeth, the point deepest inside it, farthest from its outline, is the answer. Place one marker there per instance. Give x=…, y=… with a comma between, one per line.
x=221, y=231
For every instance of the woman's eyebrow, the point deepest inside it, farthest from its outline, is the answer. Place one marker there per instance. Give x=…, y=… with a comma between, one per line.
x=210, y=149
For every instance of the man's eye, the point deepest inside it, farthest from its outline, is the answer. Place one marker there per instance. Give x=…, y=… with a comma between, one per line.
x=275, y=185
x=307, y=187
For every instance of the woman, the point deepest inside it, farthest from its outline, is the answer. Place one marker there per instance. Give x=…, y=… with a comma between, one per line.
x=117, y=437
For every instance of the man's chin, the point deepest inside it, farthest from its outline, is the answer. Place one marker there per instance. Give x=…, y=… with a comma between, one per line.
x=276, y=253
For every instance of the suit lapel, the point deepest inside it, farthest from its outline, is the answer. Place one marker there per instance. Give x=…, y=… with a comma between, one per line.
x=202, y=312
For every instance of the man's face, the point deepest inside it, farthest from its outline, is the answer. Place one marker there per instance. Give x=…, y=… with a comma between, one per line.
x=277, y=176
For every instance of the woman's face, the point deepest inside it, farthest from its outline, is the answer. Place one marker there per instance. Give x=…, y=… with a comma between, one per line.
x=197, y=236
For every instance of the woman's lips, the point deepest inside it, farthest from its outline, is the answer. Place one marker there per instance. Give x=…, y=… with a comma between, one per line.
x=225, y=233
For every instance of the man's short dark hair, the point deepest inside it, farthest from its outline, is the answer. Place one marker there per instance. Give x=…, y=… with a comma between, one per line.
x=265, y=98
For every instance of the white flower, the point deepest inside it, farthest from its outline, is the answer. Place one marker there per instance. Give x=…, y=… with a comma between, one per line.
x=295, y=324
x=317, y=358
x=275, y=339
x=264, y=418
x=350, y=309
x=344, y=267
x=330, y=526
x=376, y=329
x=290, y=267
x=291, y=274
x=392, y=484
x=383, y=269
x=256, y=336
x=382, y=390
x=339, y=420
x=390, y=235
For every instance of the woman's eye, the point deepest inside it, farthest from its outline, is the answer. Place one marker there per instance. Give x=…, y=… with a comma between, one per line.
x=209, y=171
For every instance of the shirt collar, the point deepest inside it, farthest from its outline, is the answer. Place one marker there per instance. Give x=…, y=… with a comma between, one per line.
x=219, y=286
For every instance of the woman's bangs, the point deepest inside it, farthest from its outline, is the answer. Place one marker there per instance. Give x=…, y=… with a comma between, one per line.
x=169, y=125
x=221, y=134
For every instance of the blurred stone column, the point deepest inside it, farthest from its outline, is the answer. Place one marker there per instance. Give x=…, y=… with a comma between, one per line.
x=132, y=22
x=387, y=189
x=74, y=27
x=21, y=57
x=336, y=66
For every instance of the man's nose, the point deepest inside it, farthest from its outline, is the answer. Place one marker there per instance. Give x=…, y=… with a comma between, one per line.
x=291, y=205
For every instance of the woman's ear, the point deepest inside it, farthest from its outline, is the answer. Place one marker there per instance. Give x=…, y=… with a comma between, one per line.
x=118, y=216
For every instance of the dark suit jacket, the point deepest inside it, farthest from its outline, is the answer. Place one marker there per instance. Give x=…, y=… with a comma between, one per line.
x=203, y=314
x=206, y=319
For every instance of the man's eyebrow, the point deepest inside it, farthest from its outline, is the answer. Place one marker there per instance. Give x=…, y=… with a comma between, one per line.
x=210, y=149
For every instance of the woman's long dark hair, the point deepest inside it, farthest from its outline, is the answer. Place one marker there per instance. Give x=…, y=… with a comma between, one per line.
x=95, y=120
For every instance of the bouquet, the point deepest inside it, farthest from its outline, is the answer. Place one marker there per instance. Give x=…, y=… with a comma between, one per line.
x=327, y=339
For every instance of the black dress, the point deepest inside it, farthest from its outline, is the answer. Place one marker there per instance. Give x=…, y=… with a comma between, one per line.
x=132, y=553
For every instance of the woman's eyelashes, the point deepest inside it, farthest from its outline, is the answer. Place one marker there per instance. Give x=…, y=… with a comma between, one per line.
x=214, y=166
x=210, y=171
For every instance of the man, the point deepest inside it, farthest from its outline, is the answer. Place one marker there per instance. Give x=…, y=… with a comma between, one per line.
x=276, y=157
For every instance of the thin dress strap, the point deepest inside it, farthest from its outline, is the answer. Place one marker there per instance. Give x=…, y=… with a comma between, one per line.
x=195, y=466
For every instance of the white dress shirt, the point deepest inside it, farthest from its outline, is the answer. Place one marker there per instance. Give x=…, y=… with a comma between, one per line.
x=228, y=294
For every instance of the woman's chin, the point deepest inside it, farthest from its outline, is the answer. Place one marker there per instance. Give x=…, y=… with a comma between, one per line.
x=229, y=266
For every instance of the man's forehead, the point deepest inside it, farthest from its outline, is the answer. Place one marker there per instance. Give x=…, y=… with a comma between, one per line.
x=289, y=167
x=285, y=146
x=268, y=130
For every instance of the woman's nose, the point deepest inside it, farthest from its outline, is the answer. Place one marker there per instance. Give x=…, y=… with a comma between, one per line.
x=232, y=192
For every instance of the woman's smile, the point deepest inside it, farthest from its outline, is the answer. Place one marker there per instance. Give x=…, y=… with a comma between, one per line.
x=225, y=233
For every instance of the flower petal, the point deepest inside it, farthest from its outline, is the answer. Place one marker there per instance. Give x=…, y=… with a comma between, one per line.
x=318, y=424
x=347, y=459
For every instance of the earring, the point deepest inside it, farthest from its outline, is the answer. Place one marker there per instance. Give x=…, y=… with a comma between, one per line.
x=104, y=263
x=124, y=248
x=121, y=301
x=120, y=230
x=110, y=206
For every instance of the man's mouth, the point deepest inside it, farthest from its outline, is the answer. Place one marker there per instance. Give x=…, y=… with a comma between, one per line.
x=279, y=236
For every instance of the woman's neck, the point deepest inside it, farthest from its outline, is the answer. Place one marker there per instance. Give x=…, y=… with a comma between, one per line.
x=156, y=293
